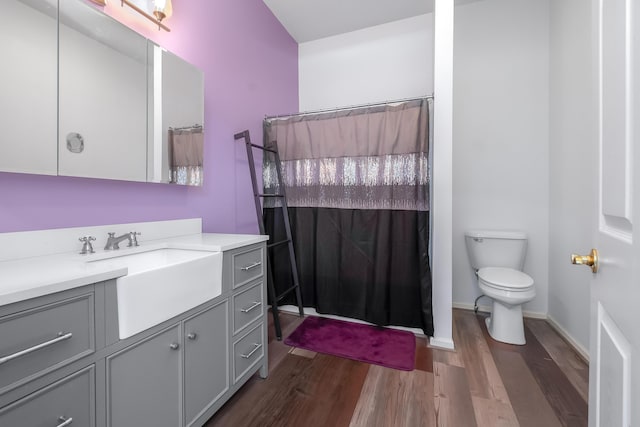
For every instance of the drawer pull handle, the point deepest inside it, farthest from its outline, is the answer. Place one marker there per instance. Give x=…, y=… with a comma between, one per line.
x=192, y=336
x=61, y=337
x=174, y=346
x=64, y=421
x=250, y=266
x=251, y=307
x=256, y=347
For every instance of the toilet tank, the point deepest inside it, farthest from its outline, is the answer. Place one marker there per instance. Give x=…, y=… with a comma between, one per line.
x=488, y=248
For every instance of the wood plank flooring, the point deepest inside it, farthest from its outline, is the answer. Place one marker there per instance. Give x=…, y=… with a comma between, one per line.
x=483, y=383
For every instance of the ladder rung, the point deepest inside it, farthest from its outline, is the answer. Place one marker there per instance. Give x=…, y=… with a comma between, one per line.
x=270, y=195
x=285, y=293
x=260, y=147
x=281, y=242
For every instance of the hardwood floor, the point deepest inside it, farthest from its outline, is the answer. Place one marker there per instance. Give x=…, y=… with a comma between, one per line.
x=483, y=383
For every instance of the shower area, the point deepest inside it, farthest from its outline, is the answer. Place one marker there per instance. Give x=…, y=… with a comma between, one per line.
x=357, y=182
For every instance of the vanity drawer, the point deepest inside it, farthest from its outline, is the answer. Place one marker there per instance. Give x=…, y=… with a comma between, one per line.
x=69, y=400
x=247, y=266
x=248, y=306
x=247, y=352
x=38, y=340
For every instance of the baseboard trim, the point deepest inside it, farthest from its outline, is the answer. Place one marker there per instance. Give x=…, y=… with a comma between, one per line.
x=568, y=338
x=441, y=342
x=487, y=309
x=582, y=352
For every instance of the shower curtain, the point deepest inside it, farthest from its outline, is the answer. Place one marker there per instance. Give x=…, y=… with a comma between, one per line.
x=357, y=186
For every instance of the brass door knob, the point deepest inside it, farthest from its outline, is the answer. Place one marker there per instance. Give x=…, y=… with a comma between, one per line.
x=591, y=260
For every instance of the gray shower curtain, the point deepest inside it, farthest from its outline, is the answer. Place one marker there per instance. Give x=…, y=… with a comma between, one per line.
x=357, y=188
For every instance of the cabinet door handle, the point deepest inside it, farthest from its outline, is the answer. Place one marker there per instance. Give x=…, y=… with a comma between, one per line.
x=64, y=421
x=174, y=346
x=250, y=266
x=251, y=307
x=256, y=347
x=61, y=337
x=192, y=336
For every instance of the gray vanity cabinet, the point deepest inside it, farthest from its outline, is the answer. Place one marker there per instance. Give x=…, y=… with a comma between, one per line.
x=206, y=360
x=62, y=363
x=143, y=382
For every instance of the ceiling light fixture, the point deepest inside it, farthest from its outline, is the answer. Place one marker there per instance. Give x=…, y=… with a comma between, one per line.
x=154, y=10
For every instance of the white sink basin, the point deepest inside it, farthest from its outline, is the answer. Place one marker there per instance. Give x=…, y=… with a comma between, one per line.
x=162, y=283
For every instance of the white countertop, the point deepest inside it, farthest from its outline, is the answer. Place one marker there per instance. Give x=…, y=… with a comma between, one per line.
x=216, y=241
x=26, y=278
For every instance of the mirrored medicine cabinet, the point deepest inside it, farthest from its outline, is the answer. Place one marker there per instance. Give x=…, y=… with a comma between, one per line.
x=83, y=95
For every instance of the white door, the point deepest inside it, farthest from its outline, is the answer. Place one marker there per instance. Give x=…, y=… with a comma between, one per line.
x=614, y=377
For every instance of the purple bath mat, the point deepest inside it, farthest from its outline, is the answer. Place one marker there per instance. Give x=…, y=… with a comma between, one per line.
x=381, y=346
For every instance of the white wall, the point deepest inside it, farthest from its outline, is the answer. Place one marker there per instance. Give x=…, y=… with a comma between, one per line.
x=442, y=184
x=501, y=133
x=381, y=63
x=573, y=166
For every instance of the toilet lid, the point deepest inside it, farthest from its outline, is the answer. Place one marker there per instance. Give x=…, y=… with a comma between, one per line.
x=505, y=277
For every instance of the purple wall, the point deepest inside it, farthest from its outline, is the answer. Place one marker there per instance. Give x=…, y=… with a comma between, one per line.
x=250, y=65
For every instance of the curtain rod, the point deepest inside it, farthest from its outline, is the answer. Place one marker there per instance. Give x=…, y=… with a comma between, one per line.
x=350, y=107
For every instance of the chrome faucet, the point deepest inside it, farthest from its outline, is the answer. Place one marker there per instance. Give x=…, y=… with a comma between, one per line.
x=113, y=241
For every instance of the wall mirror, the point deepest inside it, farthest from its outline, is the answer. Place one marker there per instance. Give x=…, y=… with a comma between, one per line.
x=28, y=84
x=102, y=96
x=107, y=104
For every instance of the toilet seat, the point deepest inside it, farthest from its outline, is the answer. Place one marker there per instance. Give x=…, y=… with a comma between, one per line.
x=506, y=279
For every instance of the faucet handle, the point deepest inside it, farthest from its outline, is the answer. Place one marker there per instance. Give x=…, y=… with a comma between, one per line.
x=111, y=234
x=133, y=241
x=87, y=248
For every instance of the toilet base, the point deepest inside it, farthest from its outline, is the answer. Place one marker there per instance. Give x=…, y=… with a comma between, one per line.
x=505, y=323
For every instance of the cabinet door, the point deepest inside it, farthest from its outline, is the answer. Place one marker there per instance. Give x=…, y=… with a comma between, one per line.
x=144, y=383
x=28, y=86
x=206, y=358
x=102, y=113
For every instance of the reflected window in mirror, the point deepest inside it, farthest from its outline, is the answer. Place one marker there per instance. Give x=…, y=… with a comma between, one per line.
x=177, y=134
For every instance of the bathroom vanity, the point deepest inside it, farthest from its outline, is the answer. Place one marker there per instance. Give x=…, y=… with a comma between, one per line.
x=64, y=361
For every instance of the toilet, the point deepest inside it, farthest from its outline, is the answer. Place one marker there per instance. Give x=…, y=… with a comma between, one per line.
x=497, y=257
